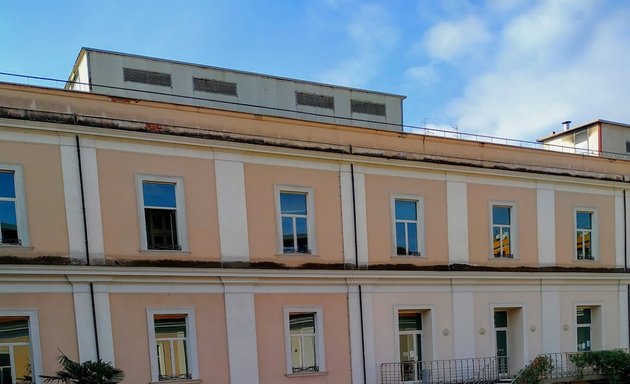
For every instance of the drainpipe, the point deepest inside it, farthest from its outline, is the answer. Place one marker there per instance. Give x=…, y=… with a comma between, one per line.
x=87, y=249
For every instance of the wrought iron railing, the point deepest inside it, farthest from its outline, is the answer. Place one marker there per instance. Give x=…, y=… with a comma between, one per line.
x=458, y=371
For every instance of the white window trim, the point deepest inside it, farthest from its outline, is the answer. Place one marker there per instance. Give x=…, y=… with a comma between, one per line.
x=20, y=204
x=33, y=332
x=594, y=233
x=320, y=351
x=192, y=357
x=180, y=201
x=513, y=228
x=599, y=306
x=428, y=314
x=310, y=219
x=420, y=226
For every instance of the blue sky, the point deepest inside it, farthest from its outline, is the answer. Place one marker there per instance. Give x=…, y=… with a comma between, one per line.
x=510, y=68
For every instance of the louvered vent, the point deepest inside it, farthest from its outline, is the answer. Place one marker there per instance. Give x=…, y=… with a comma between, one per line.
x=315, y=100
x=147, y=77
x=214, y=86
x=367, y=108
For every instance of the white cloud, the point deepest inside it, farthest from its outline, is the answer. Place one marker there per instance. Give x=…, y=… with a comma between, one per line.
x=373, y=36
x=451, y=40
x=562, y=60
x=424, y=74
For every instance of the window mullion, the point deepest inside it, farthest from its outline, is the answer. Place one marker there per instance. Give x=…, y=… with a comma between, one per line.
x=172, y=348
x=12, y=363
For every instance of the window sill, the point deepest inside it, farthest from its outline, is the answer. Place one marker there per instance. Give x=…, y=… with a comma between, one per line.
x=298, y=255
x=163, y=252
x=410, y=257
x=515, y=257
x=17, y=247
x=595, y=260
x=306, y=374
x=178, y=381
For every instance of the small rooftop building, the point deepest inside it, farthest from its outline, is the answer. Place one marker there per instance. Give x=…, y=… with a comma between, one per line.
x=596, y=138
x=140, y=77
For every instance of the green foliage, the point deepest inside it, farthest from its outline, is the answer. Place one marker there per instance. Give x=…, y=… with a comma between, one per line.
x=535, y=371
x=613, y=365
x=88, y=372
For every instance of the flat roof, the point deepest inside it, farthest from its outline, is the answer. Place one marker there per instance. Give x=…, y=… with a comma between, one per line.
x=86, y=50
x=580, y=127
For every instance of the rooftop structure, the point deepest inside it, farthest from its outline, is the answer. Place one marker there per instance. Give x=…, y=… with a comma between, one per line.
x=147, y=78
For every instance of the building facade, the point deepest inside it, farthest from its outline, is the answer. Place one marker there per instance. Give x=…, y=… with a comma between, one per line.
x=208, y=245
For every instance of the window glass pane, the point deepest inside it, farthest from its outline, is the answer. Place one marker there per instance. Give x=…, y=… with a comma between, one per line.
x=293, y=203
x=406, y=210
x=302, y=234
x=7, y=184
x=302, y=323
x=169, y=326
x=308, y=353
x=287, y=234
x=496, y=241
x=179, y=356
x=14, y=330
x=500, y=319
x=400, y=239
x=21, y=355
x=500, y=215
x=159, y=194
x=505, y=241
x=164, y=359
x=296, y=353
x=584, y=339
x=8, y=222
x=5, y=357
x=584, y=220
x=161, y=227
x=583, y=315
x=409, y=321
x=412, y=232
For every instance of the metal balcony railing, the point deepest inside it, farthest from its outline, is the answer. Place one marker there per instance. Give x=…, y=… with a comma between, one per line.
x=457, y=371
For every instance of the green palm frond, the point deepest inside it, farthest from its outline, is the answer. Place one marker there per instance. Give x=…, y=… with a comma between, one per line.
x=88, y=372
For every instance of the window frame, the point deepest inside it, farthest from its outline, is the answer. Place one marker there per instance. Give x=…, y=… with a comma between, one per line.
x=513, y=228
x=21, y=214
x=33, y=332
x=594, y=233
x=180, y=208
x=597, y=326
x=320, y=351
x=191, y=347
x=429, y=328
x=420, y=223
x=310, y=219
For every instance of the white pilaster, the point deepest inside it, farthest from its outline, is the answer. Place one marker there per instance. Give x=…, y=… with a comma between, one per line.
x=84, y=322
x=347, y=214
x=361, y=212
x=92, y=201
x=546, y=224
x=623, y=317
x=104, y=322
x=619, y=229
x=551, y=324
x=457, y=216
x=72, y=194
x=232, y=210
x=371, y=366
x=241, y=331
x=463, y=324
x=354, y=322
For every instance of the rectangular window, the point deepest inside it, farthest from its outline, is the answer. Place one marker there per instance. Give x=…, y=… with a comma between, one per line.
x=406, y=227
x=503, y=230
x=584, y=329
x=15, y=349
x=295, y=220
x=162, y=213
x=314, y=100
x=627, y=146
x=367, y=107
x=13, y=228
x=584, y=235
x=146, y=77
x=304, y=340
x=173, y=344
